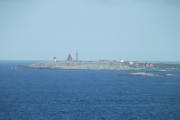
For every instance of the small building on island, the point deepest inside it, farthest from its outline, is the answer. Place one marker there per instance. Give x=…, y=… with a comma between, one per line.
x=131, y=63
x=121, y=60
x=69, y=58
x=54, y=58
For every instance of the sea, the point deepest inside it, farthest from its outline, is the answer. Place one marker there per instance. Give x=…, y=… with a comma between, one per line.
x=44, y=94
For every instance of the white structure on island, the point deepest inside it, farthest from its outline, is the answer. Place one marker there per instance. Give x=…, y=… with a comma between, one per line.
x=121, y=60
x=131, y=62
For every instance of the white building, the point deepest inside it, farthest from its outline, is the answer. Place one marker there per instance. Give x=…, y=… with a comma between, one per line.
x=131, y=62
x=121, y=60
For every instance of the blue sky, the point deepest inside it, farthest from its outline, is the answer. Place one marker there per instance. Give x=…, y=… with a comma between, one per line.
x=98, y=29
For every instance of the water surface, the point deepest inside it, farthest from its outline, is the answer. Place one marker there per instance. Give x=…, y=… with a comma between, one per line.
x=42, y=94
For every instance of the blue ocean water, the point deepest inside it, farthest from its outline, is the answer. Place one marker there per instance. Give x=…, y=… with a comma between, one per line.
x=42, y=94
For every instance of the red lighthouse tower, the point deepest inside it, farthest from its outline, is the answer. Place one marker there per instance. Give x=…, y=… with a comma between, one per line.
x=69, y=58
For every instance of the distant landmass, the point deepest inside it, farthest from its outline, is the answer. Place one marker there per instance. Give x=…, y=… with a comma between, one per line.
x=104, y=65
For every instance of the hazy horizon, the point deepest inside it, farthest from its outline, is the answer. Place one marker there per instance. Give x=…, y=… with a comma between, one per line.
x=99, y=29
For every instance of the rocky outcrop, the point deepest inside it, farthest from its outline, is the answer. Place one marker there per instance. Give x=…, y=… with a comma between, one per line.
x=143, y=74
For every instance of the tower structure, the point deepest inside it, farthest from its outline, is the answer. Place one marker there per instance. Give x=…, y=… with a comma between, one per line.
x=77, y=56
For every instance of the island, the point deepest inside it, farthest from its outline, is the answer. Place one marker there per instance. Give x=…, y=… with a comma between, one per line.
x=103, y=65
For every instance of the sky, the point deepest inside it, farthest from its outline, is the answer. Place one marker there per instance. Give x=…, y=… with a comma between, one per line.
x=142, y=30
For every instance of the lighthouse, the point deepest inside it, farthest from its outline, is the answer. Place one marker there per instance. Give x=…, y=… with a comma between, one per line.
x=77, y=56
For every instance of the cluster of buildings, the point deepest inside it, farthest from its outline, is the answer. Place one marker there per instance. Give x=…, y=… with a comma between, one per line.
x=70, y=58
x=146, y=65
x=149, y=65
